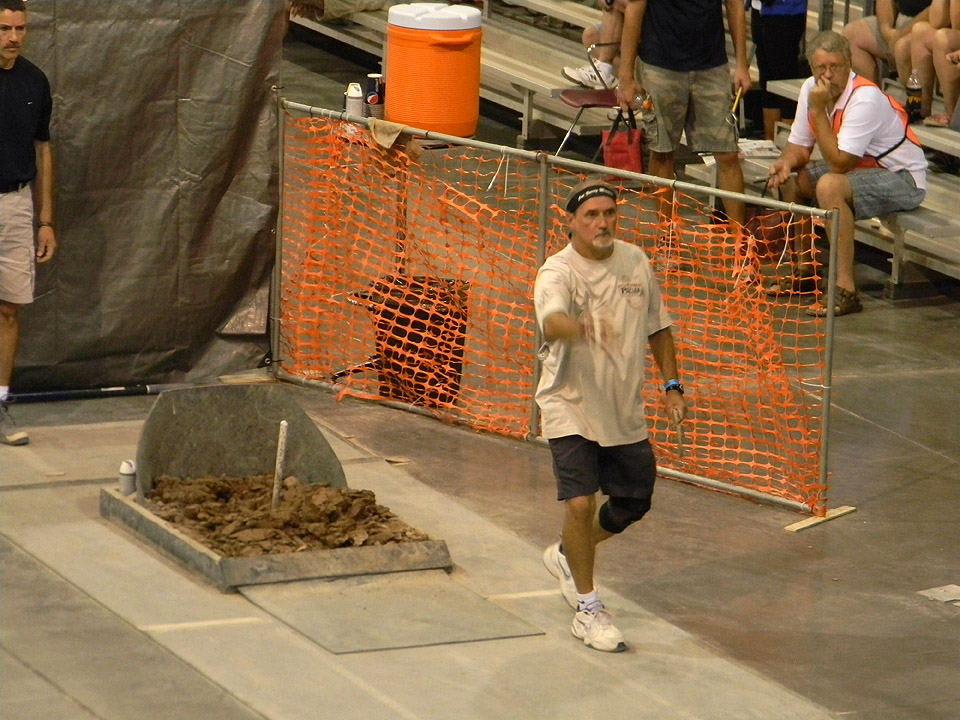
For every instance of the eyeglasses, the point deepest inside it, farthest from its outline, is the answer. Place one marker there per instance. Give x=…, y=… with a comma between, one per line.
x=834, y=69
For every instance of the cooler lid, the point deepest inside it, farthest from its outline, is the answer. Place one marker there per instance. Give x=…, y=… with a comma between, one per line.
x=434, y=16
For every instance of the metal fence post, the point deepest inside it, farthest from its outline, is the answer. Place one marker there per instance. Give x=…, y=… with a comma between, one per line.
x=543, y=205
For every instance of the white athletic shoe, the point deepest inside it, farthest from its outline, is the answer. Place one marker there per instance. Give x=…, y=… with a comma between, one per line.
x=597, y=630
x=556, y=565
x=10, y=434
x=586, y=76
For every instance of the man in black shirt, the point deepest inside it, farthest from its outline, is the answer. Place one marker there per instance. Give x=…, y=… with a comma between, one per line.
x=26, y=191
x=683, y=49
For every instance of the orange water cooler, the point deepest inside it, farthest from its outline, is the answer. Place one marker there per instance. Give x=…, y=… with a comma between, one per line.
x=433, y=67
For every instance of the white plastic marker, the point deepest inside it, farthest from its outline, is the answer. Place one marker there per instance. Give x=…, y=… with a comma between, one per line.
x=278, y=468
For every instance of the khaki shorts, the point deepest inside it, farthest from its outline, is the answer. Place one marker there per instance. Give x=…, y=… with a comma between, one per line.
x=698, y=102
x=17, y=251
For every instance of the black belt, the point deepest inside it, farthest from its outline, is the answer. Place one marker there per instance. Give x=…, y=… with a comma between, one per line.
x=12, y=187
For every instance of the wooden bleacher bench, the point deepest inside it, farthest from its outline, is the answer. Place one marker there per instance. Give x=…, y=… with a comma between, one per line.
x=574, y=13
x=941, y=139
x=353, y=30
x=519, y=68
x=790, y=89
x=523, y=64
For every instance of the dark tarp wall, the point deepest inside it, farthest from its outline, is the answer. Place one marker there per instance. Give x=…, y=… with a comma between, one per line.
x=165, y=157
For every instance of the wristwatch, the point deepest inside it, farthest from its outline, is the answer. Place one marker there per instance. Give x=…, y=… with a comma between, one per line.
x=673, y=385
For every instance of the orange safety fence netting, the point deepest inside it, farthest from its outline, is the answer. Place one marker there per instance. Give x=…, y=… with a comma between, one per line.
x=407, y=274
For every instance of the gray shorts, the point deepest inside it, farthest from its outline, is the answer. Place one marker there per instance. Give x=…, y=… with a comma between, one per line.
x=17, y=250
x=871, y=21
x=582, y=467
x=698, y=102
x=876, y=192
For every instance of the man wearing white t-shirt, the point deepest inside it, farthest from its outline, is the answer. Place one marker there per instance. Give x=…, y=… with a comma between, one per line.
x=872, y=163
x=598, y=306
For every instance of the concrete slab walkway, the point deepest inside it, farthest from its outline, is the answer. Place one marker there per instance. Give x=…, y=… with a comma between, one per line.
x=96, y=624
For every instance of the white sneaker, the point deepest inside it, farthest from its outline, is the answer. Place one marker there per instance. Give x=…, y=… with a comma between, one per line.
x=597, y=630
x=556, y=565
x=10, y=434
x=585, y=75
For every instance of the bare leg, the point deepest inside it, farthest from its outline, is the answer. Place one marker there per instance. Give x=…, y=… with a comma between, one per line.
x=610, y=32
x=591, y=36
x=9, y=331
x=834, y=193
x=578, y=544
x=947, y=40
x=730, y=177
x=663, y=165
x=801, y=239
x=902, y=57
x=863, y=49
x=580, y=536
x=607, y=35
x=921, y=60
x=771, y=116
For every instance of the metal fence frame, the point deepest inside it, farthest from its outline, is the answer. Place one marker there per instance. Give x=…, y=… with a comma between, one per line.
x=545, y=161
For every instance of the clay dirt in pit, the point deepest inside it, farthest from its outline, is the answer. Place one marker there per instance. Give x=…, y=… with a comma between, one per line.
x=233, y=517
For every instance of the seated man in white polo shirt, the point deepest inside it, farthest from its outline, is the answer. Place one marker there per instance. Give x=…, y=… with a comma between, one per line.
x=872, y=162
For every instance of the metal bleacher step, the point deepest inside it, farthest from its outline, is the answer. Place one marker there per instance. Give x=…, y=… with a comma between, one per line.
x=353, y=31
x=525, y=62
x=930, y=223
x=573, y=13
x=937, y=217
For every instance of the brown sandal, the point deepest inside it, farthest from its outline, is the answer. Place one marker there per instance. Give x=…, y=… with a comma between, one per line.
x=847, y=302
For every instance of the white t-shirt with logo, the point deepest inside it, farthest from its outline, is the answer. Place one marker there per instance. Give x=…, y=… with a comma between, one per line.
x=594, y=389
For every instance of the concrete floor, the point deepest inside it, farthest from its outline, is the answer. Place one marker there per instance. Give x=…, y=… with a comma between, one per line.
x=729, y=616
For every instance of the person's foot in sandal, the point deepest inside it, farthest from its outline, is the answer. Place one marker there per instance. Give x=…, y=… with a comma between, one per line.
x=802, y=279
x=847, y=302
x=936, y=121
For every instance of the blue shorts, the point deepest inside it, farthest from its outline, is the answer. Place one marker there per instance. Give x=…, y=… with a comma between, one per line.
x=582, y=467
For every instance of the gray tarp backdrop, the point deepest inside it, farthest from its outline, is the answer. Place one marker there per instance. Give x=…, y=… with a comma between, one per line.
x=165, y=150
